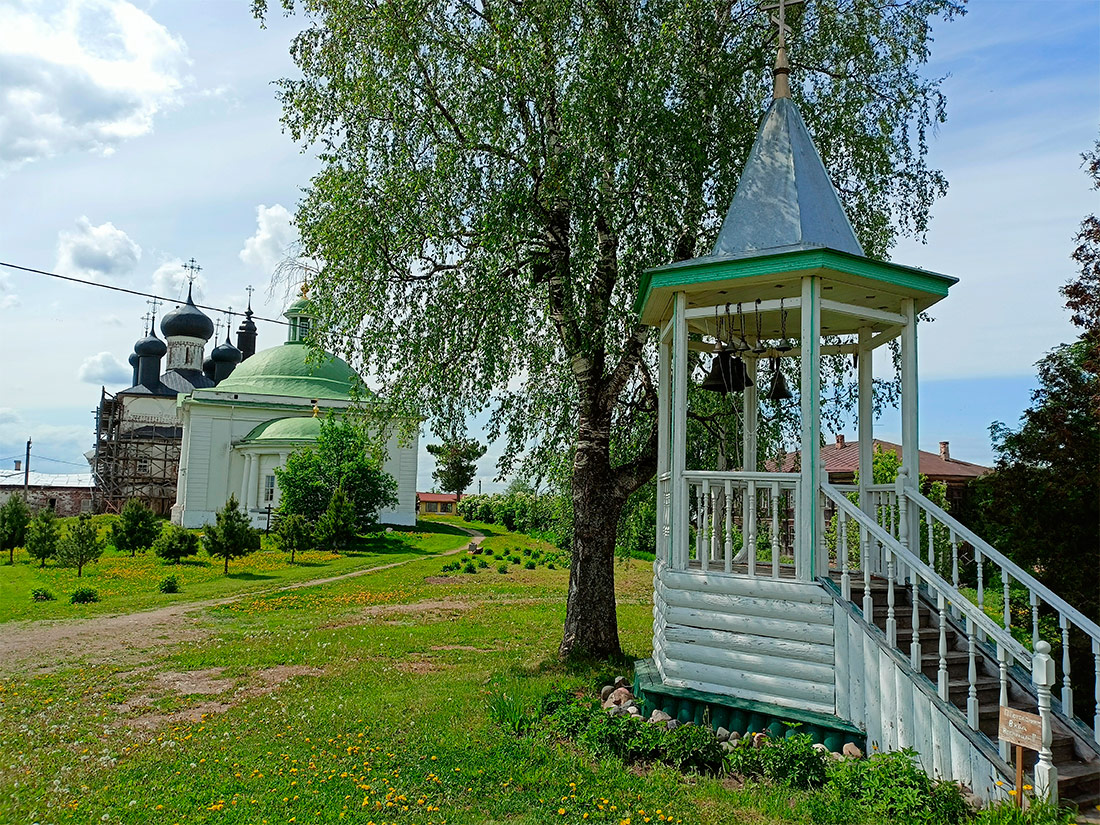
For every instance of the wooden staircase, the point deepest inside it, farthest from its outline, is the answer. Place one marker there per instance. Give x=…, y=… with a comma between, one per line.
x=1076, y=760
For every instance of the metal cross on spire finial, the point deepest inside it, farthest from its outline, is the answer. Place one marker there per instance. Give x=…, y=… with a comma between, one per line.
x=781, y=85
x=249, y=289
x=217, y=329
x=153, y=304
x=193, y=269
x=147, y=318
x=228, y=322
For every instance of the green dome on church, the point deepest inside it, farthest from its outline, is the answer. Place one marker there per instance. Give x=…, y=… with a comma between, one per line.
x=285, y=429
x=288, y=370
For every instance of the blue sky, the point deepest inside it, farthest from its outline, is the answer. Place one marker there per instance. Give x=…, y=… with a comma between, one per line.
x=136, y=135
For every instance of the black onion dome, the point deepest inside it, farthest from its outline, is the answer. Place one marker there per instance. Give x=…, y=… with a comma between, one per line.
x=208, y=367
x=133, y=359
x=150, y=345
x=187, y=320
x=226, y=353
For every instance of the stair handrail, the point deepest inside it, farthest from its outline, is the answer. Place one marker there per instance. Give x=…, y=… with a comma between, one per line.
x=928, y=575
x=1018, y=573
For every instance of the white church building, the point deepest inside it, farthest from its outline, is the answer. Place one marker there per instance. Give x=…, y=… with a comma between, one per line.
x=238, y=431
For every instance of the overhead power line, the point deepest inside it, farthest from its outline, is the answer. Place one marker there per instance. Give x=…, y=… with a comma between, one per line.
x=136, y=292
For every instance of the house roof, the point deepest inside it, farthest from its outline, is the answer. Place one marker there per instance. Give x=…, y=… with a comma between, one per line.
x=440, y=497
x=841, y=458
x=14, y=478
x=784, y=198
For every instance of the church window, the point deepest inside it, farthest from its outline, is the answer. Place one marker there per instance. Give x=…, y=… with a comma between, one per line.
x=433, y=507
x=269, y=488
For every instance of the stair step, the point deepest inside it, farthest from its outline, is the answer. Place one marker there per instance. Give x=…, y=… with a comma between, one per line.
x=1078, y=779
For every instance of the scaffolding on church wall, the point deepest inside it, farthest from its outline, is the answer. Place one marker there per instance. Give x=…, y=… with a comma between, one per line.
x=136, y=456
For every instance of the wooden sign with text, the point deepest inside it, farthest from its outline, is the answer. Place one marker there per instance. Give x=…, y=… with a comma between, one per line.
x=1021, y=728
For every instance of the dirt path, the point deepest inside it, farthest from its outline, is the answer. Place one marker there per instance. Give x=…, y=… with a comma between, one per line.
x=124, y=638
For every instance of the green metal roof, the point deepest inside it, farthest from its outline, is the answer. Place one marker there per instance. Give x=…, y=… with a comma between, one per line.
x=300, y=307
x=287, y=370
x=285, y=429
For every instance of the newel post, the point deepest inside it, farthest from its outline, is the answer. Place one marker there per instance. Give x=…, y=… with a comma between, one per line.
x=1042, y=674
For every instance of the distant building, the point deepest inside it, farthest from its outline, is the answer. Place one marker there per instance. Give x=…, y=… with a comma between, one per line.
x=436, y=503
x=842, y=460
x=67, y=494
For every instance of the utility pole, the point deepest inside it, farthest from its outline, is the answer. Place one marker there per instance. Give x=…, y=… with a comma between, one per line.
x=27, y=470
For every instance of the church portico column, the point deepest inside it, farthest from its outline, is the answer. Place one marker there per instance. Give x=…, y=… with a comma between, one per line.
x=253, y=481
x=244, y=479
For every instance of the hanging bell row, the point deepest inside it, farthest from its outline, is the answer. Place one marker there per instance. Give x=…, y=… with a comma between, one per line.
x=728, y=373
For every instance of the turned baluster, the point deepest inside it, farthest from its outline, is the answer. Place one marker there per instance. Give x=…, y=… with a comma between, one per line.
x=1002, y=669
x=942, y=675
x=702, y=543
x=1067, y=688
x=728, y=549
x=774, y=494
x=868, y=600
x=972, y=676
x=842, y=553
x=914, y=636
x=891, y=620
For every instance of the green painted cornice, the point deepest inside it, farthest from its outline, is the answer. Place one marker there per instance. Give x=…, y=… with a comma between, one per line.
x=701, y=271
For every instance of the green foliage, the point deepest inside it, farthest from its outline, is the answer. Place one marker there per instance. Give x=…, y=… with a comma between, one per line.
x=469, y=568
x=789, y=761
x=231, y=536
x=894, y=786
x=509, y=712
x=503, y=568
x=455, y=462
x=522, y=511
x=136, y=528
x=174, y=543
x=84, y=595
x=530, y=565
x=336, y=529
x=693, y=748
x=482, y=564
x=43, y=535
x=1039, y=505
x=1037, y=812
x=81, y=546
x=41, y=594
x=294, y=534
x=344, y=457
x=169, y=584
x=14, y=518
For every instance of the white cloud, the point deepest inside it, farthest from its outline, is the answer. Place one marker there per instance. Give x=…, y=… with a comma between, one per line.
x=275, y=233
x=101, y=253
x=104, y=368
x=170, y=280
x=57, y=441
x=8, y=298
x=82, y=75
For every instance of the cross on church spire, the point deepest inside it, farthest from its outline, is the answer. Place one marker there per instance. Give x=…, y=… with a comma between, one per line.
x=249, y=289
x=147, y=318
x=781, y=85
x=153, y=304
x=193, y=269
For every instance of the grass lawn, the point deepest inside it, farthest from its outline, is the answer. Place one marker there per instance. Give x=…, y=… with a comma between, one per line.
x=126, y=583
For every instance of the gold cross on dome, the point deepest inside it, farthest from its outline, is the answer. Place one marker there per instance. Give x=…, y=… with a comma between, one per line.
x=780, y=20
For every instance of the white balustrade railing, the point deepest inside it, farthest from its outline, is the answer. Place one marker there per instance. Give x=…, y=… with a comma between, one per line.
x=1072, y=625
x=738, y=522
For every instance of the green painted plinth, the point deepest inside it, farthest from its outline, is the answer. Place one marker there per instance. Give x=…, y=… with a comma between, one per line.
x=740, y=715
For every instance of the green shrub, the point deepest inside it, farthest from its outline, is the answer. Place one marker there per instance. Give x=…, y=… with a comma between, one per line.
x=529, y=566
x=169, y=584
x=790, y=761
x=482, y=564
x=41, y=594
x=43, y=536
x=175, y=544
x=231, y=536
x=692, y=748
x=503, y=568
x=1038, y=812
x=294, y=534
x=527, y=551
x=81, y=546
x=84, y=595
x=893, y=785
x=550, y=566
x=514, y=559
x=469, y=568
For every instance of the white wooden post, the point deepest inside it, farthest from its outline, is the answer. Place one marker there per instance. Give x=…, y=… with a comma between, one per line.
x=679, y=431
x=909, y=415
x=1042, y=674
x=751, y=416
x=866, y=433
x=810, y=393
x=664, y=384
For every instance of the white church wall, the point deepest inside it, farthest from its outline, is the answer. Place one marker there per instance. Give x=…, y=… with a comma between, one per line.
x=142, y=410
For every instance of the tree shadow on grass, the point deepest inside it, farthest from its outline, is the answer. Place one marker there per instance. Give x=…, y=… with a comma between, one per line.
x=190, y=563
x=249, y=577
